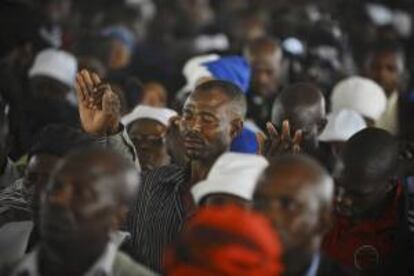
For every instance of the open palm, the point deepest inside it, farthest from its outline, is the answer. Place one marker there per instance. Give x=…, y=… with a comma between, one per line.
x=99, y=106
x=284, y=142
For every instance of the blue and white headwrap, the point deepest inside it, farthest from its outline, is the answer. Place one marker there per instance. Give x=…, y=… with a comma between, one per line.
x=246, y=142
x=230, y=68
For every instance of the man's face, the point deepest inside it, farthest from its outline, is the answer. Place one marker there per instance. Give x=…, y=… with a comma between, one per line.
x=78, y=214
x=206, y=125
x=290, y=201
x=37, y=175
x=358, y=194
x=385, y=68
x=265, y=74
x=148, y=137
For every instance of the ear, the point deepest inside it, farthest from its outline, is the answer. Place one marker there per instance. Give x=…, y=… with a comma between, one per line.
x=236, y=127
x=120, y=217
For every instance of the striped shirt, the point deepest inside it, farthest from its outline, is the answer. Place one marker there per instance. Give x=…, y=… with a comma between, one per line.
x=158, y=216
x=15, y=204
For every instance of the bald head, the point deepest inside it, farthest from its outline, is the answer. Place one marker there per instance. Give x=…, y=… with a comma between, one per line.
x=304, y=106
x=303, y=173
x=234, y=96
x=296, y=193
x=113, y=172
x=371, y=152
x=301, y=103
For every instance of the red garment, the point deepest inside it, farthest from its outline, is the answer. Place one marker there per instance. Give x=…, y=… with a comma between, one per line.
x=225, y=241
x=367, y=244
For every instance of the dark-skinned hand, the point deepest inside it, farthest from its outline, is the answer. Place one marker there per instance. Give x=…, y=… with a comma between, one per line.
x=284, y=142
x=99, y=106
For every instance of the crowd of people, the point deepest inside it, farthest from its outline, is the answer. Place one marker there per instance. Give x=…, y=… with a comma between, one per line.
x=206, y=137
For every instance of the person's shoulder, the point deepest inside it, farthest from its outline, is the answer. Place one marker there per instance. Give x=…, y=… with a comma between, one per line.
x=125, y=266
x=163, y=175
x=11, y=267
x=165, y=170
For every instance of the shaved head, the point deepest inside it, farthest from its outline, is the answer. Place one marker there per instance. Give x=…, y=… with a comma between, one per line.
x=372, y=152
x=117, y=174
x=299, y=101
x=306, y=170
x=236, y=99
x=304, y=106
x=296, y=194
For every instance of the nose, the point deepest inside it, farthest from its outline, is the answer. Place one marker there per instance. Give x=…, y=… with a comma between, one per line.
x=195, y=125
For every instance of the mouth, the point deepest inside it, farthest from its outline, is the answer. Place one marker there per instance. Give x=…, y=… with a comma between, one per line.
x=58, y=233
x=192, y=143
x=59, y=229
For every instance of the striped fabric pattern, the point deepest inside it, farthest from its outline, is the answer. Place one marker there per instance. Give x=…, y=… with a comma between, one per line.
x=158, y=215
x=15, y=204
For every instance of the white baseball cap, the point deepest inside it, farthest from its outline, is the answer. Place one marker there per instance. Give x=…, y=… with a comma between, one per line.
x=360, y=94
x=342, y=125
x=55, y=64
x=233, y=173
x=159, y=114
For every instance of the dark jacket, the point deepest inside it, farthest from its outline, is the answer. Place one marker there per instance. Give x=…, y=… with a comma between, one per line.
x=328, y=267
x=402, y=262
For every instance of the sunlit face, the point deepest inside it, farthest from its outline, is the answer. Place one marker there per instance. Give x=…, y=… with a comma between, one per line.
x=206, y=125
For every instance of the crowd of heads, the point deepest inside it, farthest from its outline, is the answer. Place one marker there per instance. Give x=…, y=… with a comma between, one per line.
x=227, y=137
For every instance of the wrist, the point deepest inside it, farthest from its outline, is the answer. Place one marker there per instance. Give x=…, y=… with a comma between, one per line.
x=114, y=129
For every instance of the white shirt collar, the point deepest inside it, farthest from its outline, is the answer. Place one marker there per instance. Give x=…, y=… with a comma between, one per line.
x=313, y=268
x=103, y=266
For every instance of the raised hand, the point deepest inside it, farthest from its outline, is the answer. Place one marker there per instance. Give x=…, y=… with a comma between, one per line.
x=99, y=106
x=284, y=142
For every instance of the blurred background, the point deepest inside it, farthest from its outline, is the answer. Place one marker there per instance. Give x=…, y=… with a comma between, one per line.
x=141, y=46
